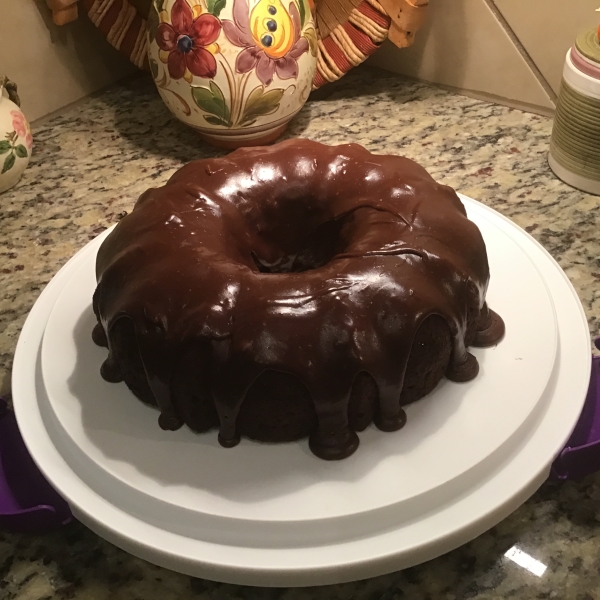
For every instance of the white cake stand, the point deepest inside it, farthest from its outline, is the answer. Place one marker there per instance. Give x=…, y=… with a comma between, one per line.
x=275, y=515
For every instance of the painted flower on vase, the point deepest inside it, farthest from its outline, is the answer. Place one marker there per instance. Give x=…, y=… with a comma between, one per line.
x=271, y=39
x=21, y=126
x=188, y=43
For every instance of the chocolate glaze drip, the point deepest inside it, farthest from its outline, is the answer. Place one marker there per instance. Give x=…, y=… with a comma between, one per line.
x=99, y=337
x=491, y=329
x=321, y=262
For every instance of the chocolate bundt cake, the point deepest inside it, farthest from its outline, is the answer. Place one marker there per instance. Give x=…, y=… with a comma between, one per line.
x=290, y=291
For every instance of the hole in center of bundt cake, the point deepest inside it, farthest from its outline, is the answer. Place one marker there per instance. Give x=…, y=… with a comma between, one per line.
x=302, y=254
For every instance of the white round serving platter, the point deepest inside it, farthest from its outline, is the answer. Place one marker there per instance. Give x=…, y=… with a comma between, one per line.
x=513, y=468
x=262, y=495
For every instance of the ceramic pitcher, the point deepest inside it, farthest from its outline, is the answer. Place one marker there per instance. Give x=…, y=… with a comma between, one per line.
x=15, y=136
x=235, y=70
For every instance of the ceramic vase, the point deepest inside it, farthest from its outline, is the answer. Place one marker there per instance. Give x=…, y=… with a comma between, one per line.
x=574, y=154
x=237, y=71
x=15, y=136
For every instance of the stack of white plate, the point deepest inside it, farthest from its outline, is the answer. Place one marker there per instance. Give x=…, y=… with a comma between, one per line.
x=275, y=514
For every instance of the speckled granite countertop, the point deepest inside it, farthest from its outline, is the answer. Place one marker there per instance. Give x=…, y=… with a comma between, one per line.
x=90, y=164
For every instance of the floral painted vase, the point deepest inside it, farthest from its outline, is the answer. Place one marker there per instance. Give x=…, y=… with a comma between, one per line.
x=15, y=136
x=237, y=71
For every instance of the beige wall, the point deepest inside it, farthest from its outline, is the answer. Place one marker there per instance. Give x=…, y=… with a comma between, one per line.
x=547, y=29
x=510, y=49
x=54, y=66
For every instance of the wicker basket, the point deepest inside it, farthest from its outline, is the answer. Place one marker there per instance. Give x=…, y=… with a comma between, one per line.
x=349, y=31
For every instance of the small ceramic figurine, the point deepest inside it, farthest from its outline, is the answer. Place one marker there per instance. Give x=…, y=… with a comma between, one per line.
x=15, y=136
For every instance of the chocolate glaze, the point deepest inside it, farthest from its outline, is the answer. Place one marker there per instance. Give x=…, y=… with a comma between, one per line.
x=491, y=329
x=317, y=261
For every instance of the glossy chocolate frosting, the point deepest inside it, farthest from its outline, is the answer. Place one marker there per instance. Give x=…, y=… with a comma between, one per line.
x=317, y=261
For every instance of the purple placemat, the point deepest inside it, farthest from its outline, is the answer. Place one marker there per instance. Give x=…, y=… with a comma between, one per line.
x=581, y=454
x=28, y=503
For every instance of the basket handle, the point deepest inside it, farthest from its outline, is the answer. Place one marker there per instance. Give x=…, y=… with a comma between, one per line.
x=63, y=11
x=407, y=17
